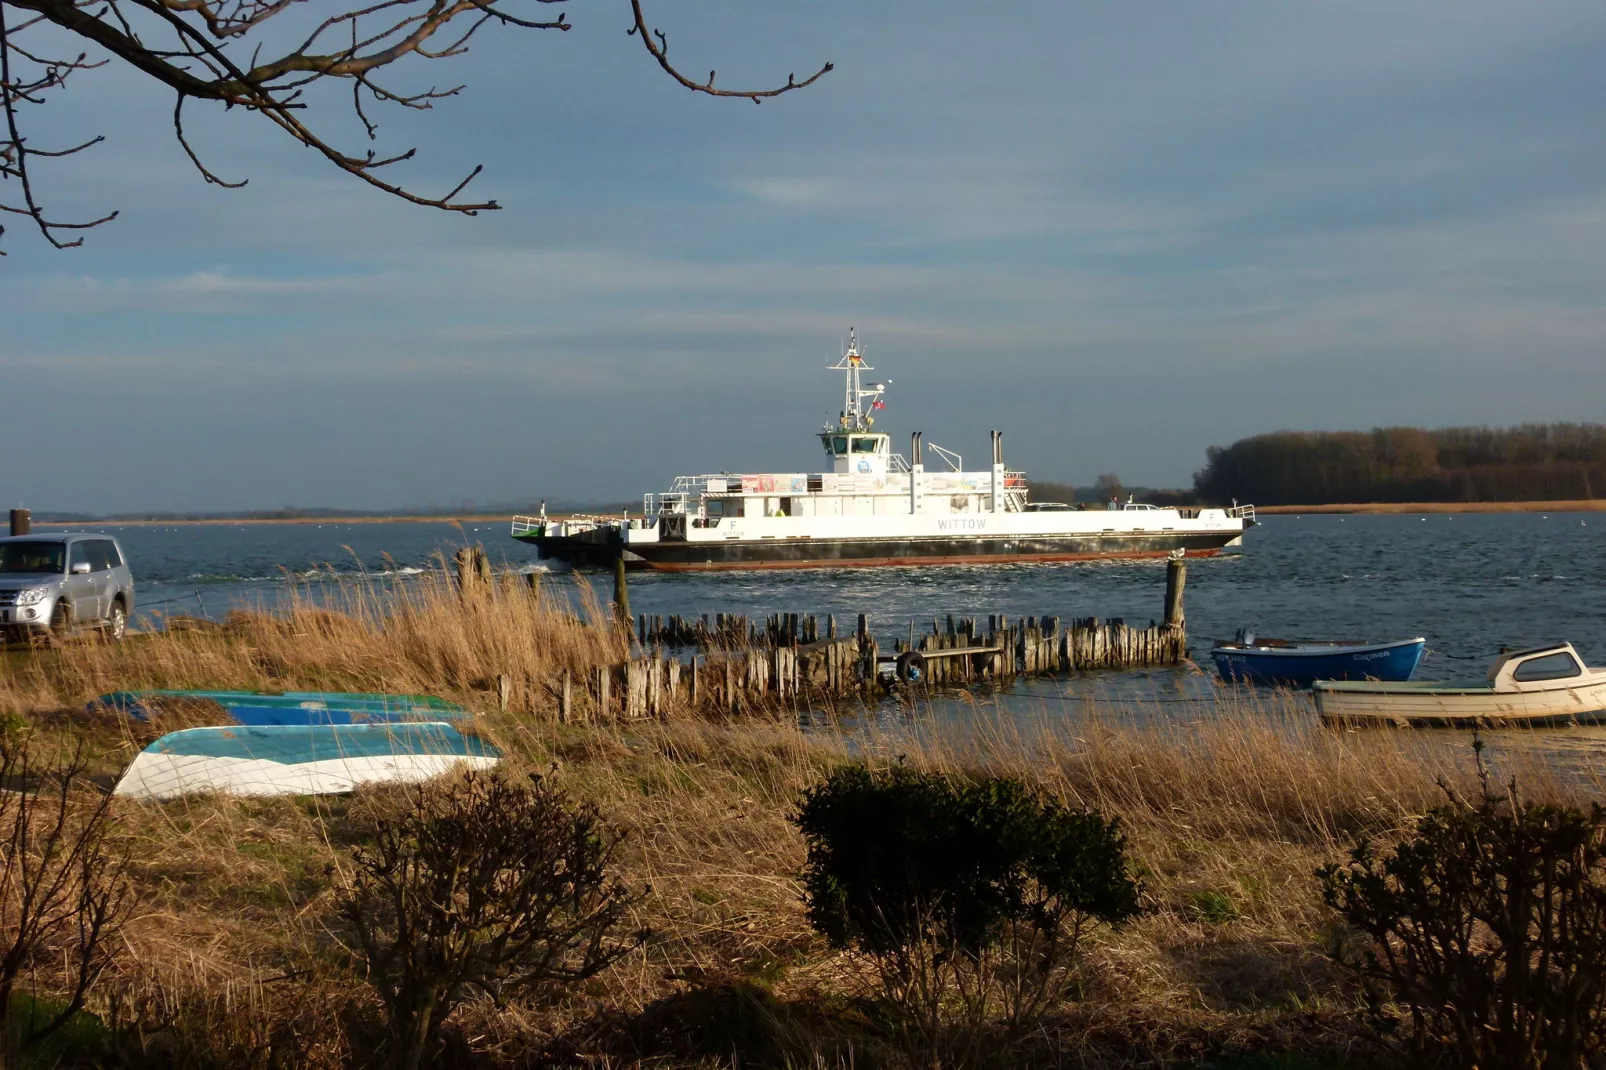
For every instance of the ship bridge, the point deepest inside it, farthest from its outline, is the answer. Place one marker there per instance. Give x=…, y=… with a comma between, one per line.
x=861, y=453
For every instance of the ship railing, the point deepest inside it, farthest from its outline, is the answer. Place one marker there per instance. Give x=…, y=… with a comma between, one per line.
x=536, y=525
x=587, y=521
x=1246, y=513
x=898, y=463
x=672, y=502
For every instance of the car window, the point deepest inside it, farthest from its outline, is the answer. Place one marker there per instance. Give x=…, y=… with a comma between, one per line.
x=77, y=554
x=1552, y=667
x=32, y=557
x=113, y=558
x=100, y=554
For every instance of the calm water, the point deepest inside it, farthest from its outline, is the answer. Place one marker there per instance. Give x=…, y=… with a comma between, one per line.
x=1469, y=583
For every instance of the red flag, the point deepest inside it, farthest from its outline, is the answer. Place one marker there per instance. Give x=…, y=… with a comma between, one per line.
x=878, y=405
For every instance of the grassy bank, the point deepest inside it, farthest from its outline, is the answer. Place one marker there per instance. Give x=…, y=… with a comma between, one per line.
x=1586, y=505
x=233, y=948
x=360, y=635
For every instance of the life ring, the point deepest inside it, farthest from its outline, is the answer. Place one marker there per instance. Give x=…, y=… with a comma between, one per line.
x=910, y=667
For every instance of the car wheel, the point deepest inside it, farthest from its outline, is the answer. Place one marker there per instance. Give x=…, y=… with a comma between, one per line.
x=60, y=620
x=116, y=623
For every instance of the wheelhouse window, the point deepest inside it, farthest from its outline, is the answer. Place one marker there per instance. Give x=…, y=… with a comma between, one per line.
x=839, y=444
x=864, y=443
x=1550, y=667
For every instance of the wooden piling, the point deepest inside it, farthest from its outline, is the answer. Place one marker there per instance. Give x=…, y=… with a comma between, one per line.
x=1176, y=578
x=21, y=521
x=621, y=593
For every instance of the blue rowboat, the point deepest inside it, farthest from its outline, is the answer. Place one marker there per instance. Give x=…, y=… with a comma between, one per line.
x=298, y=759
x=1300, y=663
x=295, y=707
x=307, y=699
x=265, y=716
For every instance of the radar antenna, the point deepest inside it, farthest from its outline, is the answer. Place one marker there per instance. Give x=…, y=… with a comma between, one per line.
x=855, y=415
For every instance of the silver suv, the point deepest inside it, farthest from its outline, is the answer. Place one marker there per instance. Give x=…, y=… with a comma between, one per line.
x=57, y=583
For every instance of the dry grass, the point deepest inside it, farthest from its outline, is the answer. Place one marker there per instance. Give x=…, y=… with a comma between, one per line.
x=1229, y=811
x=362, y=634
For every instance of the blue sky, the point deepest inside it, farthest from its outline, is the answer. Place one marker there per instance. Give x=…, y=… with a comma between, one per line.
x=1121, y=233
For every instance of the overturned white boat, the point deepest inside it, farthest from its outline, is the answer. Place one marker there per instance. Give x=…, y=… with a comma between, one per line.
x=873, y=507
x=305, y=759
x=1542, y=687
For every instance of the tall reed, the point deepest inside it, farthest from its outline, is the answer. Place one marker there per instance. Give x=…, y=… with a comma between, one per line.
x=421, y=633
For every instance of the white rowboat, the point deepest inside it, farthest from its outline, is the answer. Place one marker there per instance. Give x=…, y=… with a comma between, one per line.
x=1542, y=687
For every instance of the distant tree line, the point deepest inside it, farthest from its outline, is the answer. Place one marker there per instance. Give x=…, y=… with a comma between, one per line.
x=1108, y=486
x=1533, y=462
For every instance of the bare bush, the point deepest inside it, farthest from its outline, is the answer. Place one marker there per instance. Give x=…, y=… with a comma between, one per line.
x=1488, y=926
x=62, y=890
x=483, y=884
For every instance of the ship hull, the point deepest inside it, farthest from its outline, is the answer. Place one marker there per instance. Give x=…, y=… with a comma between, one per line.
x=732, y=554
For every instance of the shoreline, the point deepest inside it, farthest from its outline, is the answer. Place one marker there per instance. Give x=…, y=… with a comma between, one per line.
x=1582, y=505
x=218, y=520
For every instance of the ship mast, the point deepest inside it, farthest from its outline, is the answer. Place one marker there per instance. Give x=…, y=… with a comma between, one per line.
x=854, y=416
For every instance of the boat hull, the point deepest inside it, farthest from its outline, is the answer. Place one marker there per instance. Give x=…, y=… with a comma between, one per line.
x=1303, y=666
x=1474, y=707
x=298, y=760
x=730, y=554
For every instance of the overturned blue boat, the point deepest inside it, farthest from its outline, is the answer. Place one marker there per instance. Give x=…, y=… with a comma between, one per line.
x=1300, y=663
x=264, y=709
x=298, y=759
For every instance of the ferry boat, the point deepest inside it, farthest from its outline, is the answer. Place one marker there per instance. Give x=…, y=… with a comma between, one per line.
x=873, y=507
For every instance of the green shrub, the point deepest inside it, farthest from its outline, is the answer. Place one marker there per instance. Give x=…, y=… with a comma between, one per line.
x=1488, y=925
x=1216, y=908
x=968, y=898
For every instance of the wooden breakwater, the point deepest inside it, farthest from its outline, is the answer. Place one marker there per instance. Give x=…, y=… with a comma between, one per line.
x=785, y=658
x=1042, y=646
x=727, y=631
x=726, y=681
x=1041, y=642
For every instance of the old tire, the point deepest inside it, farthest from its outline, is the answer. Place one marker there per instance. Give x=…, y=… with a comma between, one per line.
x=910, y=667
x=116, y=623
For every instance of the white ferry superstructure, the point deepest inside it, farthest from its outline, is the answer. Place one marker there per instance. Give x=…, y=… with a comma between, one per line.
x=874, y=507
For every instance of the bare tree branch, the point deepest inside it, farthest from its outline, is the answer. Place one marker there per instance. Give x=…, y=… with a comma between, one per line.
x=191, y=46
x=660, y=52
